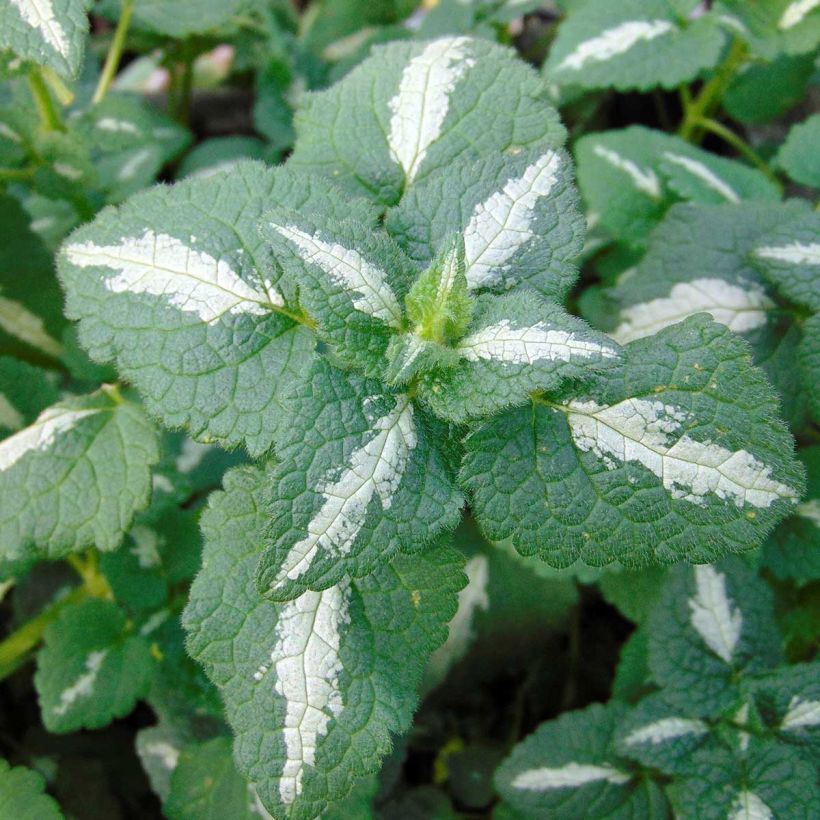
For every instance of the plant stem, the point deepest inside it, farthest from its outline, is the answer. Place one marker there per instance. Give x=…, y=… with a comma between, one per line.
x=63, y=93
x=112, y=59
x=14, y=174
x=49, y=116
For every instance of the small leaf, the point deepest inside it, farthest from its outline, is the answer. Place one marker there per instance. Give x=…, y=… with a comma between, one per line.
x=22, y=795
x=798, y=155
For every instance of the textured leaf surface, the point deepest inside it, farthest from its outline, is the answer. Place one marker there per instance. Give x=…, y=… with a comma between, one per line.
x=177, y=287
x=516, y=345
x=75, y=477
x=809, y=361
x=92, y=669
x=798, y=156
x=518, y=215
x=314, y=687
x=21, y=795
x=633, y=44
x=676, y=454
x=411, y=109
x=710, y=624
x=47, y=32
x=359, y=479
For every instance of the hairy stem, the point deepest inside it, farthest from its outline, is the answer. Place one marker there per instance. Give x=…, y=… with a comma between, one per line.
x=112, y=59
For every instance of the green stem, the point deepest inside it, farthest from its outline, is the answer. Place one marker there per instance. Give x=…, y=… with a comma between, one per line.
x=186, y=83
x=112, y=59
x=741, y=146
x=15, y=174
x=61, y=91
x=49, y=116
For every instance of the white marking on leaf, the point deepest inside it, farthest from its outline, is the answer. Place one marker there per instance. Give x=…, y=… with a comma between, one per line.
x=666, y=729
x=10, y=416
x=161, y=483
x=712, y=614
x=638, y=431
x=614, y=42
x=802, y=713
x=705, y=174
x=190, y=280
x=191, y=455
x=348, y=270
x=21, y=323
x=42, y=224
x=811, y=510
x=741, y=719
x=797, y=253
x=795, y=12
x=83, y=687
x=146, y=546
x=307, y=666
x=501, y=225
x=376, y=468
x=67, y=171
x=133, y=164
x=748, y=806
x=41, y=435
x=423, y=99
x=39, y=14
x=645, y=180
x=568, y=776
x=9, y=133
x=449, y=273
x=167, y=754
x=155, y=621
x=502, y=342
x=409, y=353
x=117, y=126
x=740, y=308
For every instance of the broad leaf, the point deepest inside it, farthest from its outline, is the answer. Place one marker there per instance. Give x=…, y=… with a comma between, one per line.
x=798, y=155
x=678, y=453
x=517, y=212
x=75, y=477
x=178, y=288
x=92, y=669
x=773, y=27
x=632, y=44
x=359, y=478
x=48, y=32
x=411, y=109
x=25, y=391
x=182, y=18
x=314, y=687
x=22, y=797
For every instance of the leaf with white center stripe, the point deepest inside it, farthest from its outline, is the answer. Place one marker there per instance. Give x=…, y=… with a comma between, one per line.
x=314, y=687
x=92, y=669
x=75, y=476
x=661, y=736
x=789, y=257
x=767, y=783
x=517, y=212
x=48, y=32
x=700, y=259
x=412, y=108
x=680, y=454
x=359, y=479
x=631, y=176
x=185, y=299
x=710, y=623
x=633, y=44
x=568, y=768
x=352, y=281
x=516, y=345
x=777, y=27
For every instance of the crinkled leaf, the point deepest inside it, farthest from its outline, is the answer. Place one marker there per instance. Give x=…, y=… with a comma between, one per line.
x=314, y=687
x=678, y=453
x=516, y=344
x=177, y=287
x=22, y=797
x=75, y=477
x=411, y=109
x=359, y=478
x=517, y=212
x=711, y=624
x=48, y=32
x=798, y=156
x=92, y=668
x=632, y=44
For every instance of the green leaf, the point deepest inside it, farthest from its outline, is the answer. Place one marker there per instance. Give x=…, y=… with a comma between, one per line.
x=517, y=344
x=218, y=154
x=678, y=453
x=568, y=769
x=25, y=391
x=630, y=177
x=358, y=480
x=411, y=109
x=75, y=477
x=181, y=18
x=798, y=155
x=633, y=44
x=351, y=280
x=517, y=213
x=809, y=362
x=711, y=624
x=771, y=781
x=92, y=667
x=773, y=27
x=312, y=688
x=48, y=32
x=21, y=795
x=633, y=592
x=177, y=288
